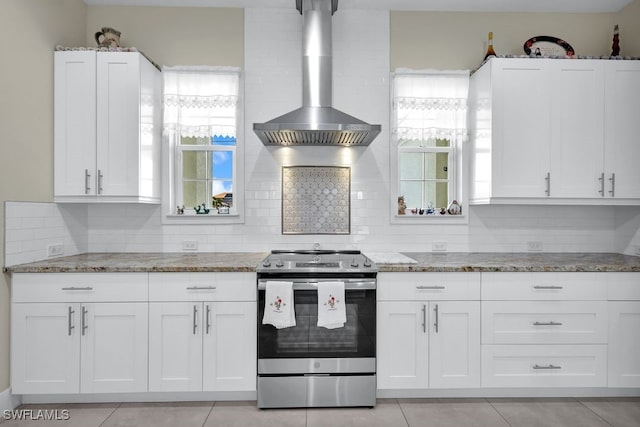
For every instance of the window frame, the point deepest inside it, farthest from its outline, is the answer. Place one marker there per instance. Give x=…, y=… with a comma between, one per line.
x=458, y=174
x=172, y=178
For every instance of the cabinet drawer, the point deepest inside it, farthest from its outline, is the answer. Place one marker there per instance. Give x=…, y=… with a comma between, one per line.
x=202, y=287
x=548, y=322
x=428, y=286
x=80, y=287
x=544, y=286
x=623, y=286
x=544, y=366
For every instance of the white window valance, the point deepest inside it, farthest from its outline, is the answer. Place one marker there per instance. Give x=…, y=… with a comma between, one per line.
x=430, y=104
x=201, y=101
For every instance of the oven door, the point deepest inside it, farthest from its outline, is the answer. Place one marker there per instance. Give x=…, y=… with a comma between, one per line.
x=356, y=340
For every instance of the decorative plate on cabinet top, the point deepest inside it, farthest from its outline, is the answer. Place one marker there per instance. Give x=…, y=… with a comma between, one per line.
x=547, y=46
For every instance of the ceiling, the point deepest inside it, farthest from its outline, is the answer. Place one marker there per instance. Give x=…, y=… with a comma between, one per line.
x=558, y=6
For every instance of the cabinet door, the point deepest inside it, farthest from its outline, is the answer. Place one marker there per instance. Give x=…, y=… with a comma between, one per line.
x=402, y=345
x=577, y=128
x=521, y=127
x=118, y=118
x=75, y=124
x=45, y=348
x=622, y=129
x=114, y=347
x=624, y=344
x=229, y=346
x=454, y=344
x=175, y=346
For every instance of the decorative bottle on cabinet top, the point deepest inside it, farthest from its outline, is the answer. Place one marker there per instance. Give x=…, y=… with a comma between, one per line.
x=615, y=47
x=490, y=51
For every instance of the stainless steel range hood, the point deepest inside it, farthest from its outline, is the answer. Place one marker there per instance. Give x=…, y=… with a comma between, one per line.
x=316, y=122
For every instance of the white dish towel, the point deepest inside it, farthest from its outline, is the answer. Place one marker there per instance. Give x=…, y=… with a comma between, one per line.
x=332, y=311
x=278, y=306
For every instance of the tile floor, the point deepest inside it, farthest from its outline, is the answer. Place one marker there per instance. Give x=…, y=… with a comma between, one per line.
x=565, y=412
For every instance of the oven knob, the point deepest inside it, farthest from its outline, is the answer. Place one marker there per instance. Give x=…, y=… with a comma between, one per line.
x=279, y=263
x=367, y=262
x=354, y=263
x=266, y=264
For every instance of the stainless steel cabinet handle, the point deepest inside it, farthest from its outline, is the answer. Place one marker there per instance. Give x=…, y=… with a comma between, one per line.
x=200, y=288
x=547, y=287
x=547, y=324
x=86, y=181
x=436, y=324
x=547, y=180
x=601, y=179
x=100, y=176
x=70, y=325
x=424, y=318
x=430, y=287
x=195, y=321
x=613, y=185
x=536, y=366
x=83, y=320
x=75, y=288
x=208, y=319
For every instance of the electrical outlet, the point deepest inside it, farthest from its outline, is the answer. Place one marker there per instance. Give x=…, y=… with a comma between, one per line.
x=534, y=246
x=438, y=246
x=189, y=245
x=56, y=249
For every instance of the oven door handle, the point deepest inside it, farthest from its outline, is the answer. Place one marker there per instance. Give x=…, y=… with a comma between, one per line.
x=312, y=286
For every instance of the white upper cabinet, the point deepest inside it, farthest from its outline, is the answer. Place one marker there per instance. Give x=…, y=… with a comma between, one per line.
x=107, y=127
x=555, y=131
x=622, y=136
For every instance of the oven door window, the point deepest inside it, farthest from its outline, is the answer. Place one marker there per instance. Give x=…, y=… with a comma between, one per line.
x=306, y=339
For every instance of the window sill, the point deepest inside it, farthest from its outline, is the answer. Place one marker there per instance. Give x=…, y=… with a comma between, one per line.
x=429, y=219
x=211, y=218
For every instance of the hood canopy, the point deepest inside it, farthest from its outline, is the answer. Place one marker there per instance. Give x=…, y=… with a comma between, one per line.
x=316, y=122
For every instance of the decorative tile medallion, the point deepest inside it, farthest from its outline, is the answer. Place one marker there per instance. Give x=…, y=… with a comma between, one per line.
x=316, y=200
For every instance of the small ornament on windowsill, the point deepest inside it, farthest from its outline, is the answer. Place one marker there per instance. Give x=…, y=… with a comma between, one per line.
x=180, y=210
x=615, y=47
x=201, y=210
x=402, y=206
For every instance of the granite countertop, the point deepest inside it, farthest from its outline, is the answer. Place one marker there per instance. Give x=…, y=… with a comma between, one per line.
x=515, y=262
x=386, y=261
x=146, y=262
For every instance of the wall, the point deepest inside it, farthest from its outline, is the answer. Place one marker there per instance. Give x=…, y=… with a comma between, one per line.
x=32, y=29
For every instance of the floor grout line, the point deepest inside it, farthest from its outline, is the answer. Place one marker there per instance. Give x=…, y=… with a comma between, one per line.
x=112, y=412
x=499, y=413
x=402, y=412
x=213, y=404
x=594, y=412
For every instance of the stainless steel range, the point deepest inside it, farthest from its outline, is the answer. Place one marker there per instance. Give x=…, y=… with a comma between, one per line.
x=307, y=365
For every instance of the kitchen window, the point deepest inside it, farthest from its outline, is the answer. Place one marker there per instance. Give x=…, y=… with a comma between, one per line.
x=203, y=145
x=427, y=151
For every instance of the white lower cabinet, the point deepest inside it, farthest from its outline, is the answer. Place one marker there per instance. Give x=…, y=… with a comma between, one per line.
x=544, y=365
x=79, y=348
x=624, y=344
x=202, y=332
x=202, y=346
x=544, y=330
x=428, y=344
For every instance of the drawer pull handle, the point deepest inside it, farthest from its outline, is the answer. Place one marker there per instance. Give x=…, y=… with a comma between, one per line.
x=430, y=287
x=546, y=367
x=547, y=287
x=75, y=288
x=547, y=324
x=201, y=288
